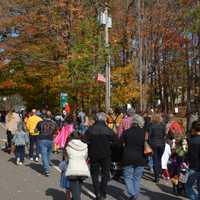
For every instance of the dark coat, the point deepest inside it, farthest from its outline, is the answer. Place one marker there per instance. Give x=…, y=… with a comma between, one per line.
x=157, y=135
x=99, y=139
x=194, y=153
x=133, y=142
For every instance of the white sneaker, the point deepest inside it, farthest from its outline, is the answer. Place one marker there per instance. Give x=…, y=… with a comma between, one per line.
x=37, y=159
x=20, y=163
x=31, y=159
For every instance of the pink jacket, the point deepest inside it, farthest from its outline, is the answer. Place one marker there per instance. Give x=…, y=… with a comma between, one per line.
x=125, y=124
x=63, y=135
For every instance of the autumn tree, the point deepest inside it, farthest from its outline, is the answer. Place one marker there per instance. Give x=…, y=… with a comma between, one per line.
x=59, y=46
x=125, y=88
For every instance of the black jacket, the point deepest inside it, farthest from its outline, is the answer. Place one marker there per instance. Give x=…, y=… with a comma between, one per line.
x=99, y=139
x=133, y=142
x=157, y=135
x=194, y=153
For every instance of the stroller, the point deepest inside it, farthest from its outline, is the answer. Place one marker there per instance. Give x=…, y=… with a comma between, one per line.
x=179, y=172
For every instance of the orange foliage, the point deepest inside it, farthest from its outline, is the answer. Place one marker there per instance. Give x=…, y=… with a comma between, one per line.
x=8, y=84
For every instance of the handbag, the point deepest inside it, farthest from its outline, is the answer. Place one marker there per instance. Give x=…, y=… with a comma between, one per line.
x=147, y=149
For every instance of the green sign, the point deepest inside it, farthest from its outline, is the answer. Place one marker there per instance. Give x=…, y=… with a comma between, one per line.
x=63, y=99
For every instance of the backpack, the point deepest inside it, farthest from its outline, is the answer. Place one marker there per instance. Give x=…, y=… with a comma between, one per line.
x=47, y=128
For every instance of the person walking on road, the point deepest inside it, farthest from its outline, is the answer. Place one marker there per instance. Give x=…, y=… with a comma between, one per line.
x=31, y=124
x=194, y=163
x=20, y=139
x=77, y=169
x=47, y=129
x=99, y=139
x=156, y=136
x=12, y=120
x=133, y=159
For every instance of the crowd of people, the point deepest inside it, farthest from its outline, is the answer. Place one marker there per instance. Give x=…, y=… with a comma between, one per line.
x=91, y=143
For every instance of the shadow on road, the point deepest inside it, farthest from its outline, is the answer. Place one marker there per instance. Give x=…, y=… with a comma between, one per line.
x=55, y=194
x=152, y=195
x=36, y=167
x=113, y=191
x=13, y=160
x=55, y=162
x=116, y=193
x=119, y=194
x=165, y=188
x=147, y=177
x=168, y=189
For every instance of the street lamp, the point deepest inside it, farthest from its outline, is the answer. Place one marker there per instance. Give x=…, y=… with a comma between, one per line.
x=106, y=20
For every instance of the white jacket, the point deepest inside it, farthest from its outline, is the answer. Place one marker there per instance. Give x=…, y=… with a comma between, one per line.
x=77, y=154
x=166, y=155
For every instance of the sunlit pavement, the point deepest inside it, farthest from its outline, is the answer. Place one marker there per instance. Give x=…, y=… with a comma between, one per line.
x=28, y=183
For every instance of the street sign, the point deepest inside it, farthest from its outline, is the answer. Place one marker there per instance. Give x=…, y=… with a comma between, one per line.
x=63, y=99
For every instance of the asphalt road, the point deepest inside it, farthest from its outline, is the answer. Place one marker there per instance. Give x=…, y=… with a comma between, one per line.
x=28, y=183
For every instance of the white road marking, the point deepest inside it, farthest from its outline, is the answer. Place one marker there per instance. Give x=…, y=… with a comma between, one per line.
x=89, y=192
x=84, y=188
x=56, y=168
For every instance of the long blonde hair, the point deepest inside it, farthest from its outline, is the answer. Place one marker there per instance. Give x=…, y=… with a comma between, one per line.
x=9, y=115
x=156, y=118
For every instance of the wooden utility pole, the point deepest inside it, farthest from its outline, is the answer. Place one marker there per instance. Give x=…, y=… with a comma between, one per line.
x=108, y=24
x=106, y=21
x=108, y=62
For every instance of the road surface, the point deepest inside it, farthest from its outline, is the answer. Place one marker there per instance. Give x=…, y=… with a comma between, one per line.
x=28, y=183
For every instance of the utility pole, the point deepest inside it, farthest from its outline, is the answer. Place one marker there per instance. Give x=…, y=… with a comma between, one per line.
x=140, y=54
x=107, y=63
x=108, y=88
x=106, y=20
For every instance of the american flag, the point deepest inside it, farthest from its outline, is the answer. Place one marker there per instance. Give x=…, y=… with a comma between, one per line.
x=101, y=78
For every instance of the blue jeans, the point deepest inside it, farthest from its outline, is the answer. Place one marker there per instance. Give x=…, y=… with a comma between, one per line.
x=194, y=177
x=20, y=152
x=33, y=141
x=150, y=162
x=46, y=149
x=132, y=177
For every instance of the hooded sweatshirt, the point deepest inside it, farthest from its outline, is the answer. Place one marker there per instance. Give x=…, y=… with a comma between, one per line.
x=77, y=154
x=31, y=124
